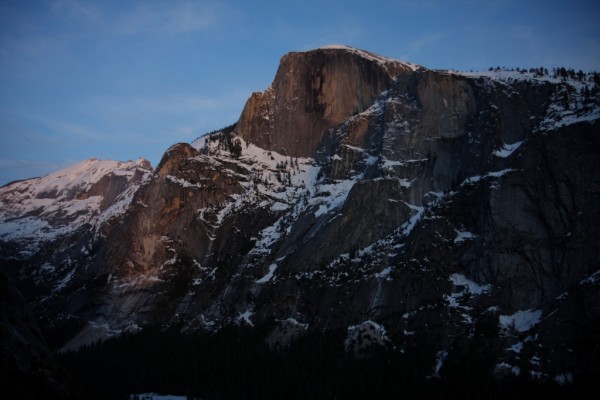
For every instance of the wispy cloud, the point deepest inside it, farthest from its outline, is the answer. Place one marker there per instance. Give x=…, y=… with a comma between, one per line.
x=180, y=106
x=173, y=17
x=134, y=107
x=40, y=130
x=84, y=11
x=424, y=41
x=413, y=47
x=166, y=18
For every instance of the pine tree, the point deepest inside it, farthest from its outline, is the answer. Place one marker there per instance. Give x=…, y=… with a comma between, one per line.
x=236, y=148
x=565, y=99
x=585, y=93
x=562, y=72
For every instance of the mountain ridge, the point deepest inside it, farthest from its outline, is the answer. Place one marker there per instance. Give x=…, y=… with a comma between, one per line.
x=414, y=208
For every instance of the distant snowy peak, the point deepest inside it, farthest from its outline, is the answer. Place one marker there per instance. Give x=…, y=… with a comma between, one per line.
x=89, y=192
x=78, y=177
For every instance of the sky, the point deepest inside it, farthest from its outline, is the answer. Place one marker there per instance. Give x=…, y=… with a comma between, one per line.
x=125, y=79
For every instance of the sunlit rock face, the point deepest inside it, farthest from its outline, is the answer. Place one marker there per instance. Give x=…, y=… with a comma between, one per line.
x=357, y=193
x=313, y=92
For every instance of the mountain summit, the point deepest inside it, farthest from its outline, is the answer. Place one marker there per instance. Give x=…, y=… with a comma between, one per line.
x=406, y=208
x=314, y=92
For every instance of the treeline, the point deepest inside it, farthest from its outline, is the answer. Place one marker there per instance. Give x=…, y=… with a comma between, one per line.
x=227, y=129
x=237, y=364
x=560, y=72
x=225, y=137
x=226, y=141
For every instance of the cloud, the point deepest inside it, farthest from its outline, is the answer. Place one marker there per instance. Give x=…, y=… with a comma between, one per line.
x=173, y=17
x=78, y=10
x=150, y=118
x=153, y=107
x=166, y=18
x=39, y=130
x=424, y=41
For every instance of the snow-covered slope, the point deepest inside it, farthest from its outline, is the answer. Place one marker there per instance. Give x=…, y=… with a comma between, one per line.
x=91, y=192
x=289, y=185
x=575, y=97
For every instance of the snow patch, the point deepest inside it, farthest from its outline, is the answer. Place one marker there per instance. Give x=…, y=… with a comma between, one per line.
x=516, y=348
x=64, y=281
x=364, y=336
x=269, y=274
x=182, y=182
x=516, y=371
x=507, y=150
x=405, y=183
x=385, y=274
x=439, y=362
x=279, y=206
x=409, y=225
x=332, y=195
x=591, y=279
x=461, y=236
x=171, y=261
x=245, y=317
x=470, y=286
x=521, y=321
x=563, y=379
x=322, y=210
x=495, y=174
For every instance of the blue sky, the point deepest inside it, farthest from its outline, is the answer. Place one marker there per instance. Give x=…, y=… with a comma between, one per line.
x=124, y=79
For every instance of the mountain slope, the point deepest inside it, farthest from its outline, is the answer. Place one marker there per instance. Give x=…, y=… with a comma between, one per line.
x=41, y=209
x=401, y=205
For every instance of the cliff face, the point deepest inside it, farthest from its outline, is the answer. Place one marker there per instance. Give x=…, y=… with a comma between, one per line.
x=312, y=93
x=362, y=194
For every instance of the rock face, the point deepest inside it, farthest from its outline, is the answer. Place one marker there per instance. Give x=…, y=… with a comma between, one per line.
x=406, y=206
x=313, y=93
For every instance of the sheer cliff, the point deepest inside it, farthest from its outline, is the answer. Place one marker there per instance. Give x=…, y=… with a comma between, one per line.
x=313, y=93
x=398, y=204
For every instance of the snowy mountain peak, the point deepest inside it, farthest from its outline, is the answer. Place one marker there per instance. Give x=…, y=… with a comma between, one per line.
x=88, y=192
x=81, y=176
